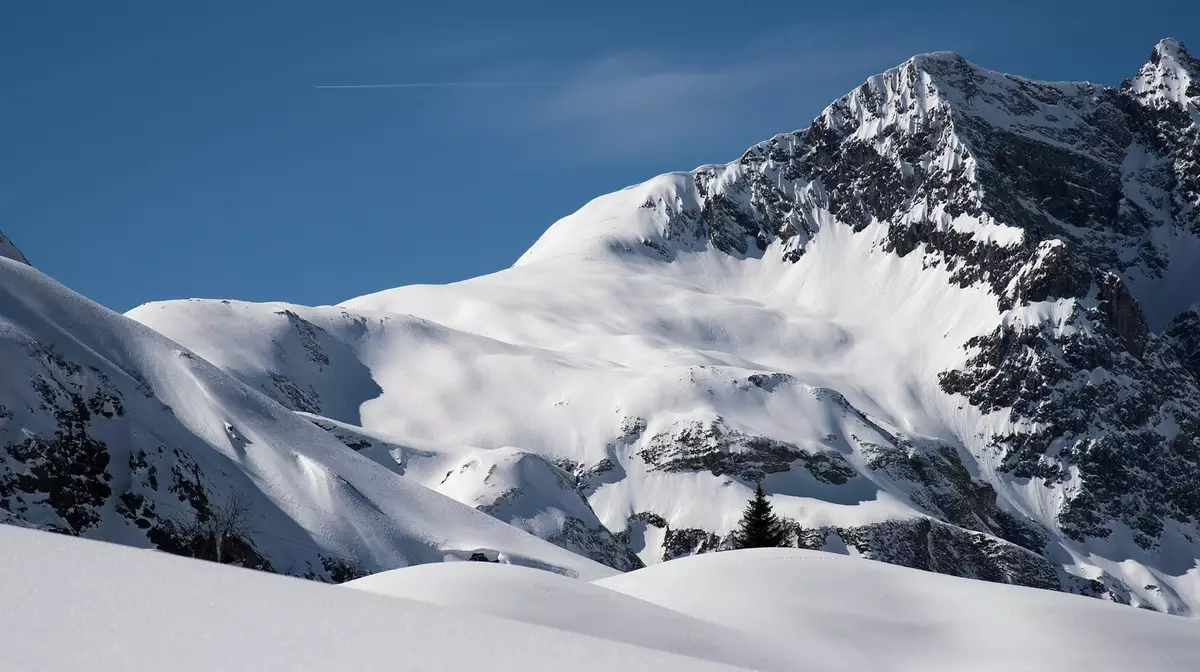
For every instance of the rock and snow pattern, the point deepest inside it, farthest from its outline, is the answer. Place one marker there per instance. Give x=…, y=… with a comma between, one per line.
x=952, y=324
x=110, y=430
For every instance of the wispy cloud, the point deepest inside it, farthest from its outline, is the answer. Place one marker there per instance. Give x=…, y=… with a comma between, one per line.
x=436, y=85
x=635, y=102
x=627, y=103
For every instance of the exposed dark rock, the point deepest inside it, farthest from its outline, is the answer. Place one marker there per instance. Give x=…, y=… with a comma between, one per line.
x=341, y=570
x=310, y=337
x=1183, y=336
x=690, y=541
x=937, y=547
x=947, y=490
x=677, y=543
x=68, y=471
x=1123, y=314
x=291, y=395
x=715, y=447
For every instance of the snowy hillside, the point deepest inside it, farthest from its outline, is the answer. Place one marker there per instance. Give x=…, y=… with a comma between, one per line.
x=793, y=609
x=110, y=430
x=86, y=605
x=82, y=604
x=950, y=324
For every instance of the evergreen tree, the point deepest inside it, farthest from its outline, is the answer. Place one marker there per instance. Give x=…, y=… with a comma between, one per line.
x=759, y=527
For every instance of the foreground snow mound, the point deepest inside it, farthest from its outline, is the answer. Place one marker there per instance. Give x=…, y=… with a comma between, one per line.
x=112, y=431
x=573, y=605
x=73, y=604
x=855, y=614
x=782, y=610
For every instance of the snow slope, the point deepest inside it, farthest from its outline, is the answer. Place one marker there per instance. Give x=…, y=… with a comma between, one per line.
x=572, y=605
x=112, y=431
x=73, y=604
x=946, y=325
x=784, y=609
x=853, y=614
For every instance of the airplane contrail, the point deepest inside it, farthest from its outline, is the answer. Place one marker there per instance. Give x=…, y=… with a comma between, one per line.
x=433, y=85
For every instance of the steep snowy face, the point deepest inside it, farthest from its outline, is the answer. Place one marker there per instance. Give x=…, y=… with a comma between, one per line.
x=951, y=324
x=9, y=251
x=1170, y=79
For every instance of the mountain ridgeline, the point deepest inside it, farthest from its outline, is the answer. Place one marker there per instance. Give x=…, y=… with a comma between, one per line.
x=952, y=324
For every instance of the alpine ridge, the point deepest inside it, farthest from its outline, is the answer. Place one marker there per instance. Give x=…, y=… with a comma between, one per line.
x=951, y=324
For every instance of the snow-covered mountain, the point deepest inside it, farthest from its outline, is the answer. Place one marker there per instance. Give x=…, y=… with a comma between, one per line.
x=84, y=604
x=951, y=324
x=110, y=430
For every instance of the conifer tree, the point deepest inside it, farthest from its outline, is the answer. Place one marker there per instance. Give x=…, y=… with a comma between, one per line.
x=759, y=528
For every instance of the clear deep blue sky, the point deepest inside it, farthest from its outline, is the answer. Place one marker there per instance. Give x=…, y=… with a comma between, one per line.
x=156, y=150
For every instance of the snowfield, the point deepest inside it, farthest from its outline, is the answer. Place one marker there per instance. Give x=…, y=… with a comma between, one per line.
x=71, y=604
x=852, y=614
x=77, y=604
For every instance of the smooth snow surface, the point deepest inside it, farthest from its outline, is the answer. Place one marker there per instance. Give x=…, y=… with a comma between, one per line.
x=784, y=609
x=559, y=602
x=854, y=614
x=70, y=604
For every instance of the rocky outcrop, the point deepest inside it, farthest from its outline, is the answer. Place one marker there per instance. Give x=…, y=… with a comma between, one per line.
x=937, y=547
x=715, y=447
x=69, y=478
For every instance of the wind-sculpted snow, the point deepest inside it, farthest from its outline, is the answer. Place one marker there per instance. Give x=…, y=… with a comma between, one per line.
x=950, y=324
x=775, y=609
x=854, y=614
x=78, y=604
x=72, y=604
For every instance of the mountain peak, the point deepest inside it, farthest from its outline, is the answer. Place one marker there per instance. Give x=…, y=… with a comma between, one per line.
x=9, y=251
x=1171, y=77
x=1169, y=48
x=933, y=57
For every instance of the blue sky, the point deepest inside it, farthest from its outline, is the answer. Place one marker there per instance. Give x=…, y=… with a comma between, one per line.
x=156, y=150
